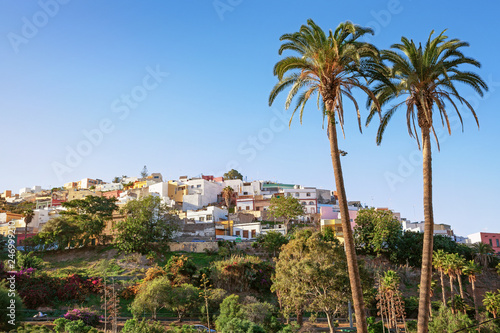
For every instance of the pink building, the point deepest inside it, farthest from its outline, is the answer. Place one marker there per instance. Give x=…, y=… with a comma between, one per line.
x=491, y=238
x=328, y=213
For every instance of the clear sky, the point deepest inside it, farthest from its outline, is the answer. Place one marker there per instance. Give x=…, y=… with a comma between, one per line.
x=101, y=88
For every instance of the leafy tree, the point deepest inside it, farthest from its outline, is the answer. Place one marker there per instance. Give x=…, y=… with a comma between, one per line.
x=377, y=231
x=329, y=66
x=271, y=241
x=148, y=226
x=144, y=172
x=311, y=274
x=182, y=299
x=152, y=296
x=233, y=174
x=423, y=83
x=227, y=193
x=60, y=232
x=483, y=253
x=286, y=208
x=230, y=308
x=90, y=215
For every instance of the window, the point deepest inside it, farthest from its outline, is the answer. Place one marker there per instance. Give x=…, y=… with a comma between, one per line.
x=237, y=232
x=254, y=233
x=297, y=194
x=209, y=217
x=248, y=207
x=239, y=208
x=245, y=233
x=308, y=194
x=498, y=245
x=198, y=186
x=202, y=219
x=311, y=202
x=245, y=193
x=303, y=203
x=491, y=242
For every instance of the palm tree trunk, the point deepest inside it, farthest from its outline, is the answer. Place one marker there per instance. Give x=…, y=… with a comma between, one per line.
x=475, y=299
x=426, y=272
x=451, y=286
x=442, y=286
x=459, y=278
x=352, y=262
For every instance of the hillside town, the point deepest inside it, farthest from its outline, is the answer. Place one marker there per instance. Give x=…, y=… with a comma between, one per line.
x=201, y=205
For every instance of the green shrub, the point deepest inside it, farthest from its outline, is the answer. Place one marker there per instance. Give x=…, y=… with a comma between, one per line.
x=28, y=260
x=445, y=321
x=28, y=328
x=374, y=326
x=143, y=326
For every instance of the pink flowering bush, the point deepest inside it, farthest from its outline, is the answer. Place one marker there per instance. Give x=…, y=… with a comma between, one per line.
x=89, y=317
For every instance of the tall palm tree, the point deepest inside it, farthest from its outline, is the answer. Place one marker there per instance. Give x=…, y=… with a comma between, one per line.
x=227, y=193
x=28, y=217
x=449, y=269
x=330, y=66
x=423, y=80
x=472, y=270
x=459, y=266
x=438, y=260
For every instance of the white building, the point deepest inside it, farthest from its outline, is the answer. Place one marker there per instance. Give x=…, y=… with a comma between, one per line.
x=247, y=230
x=244, y=188
x=208, y=214
x=162, y=190
x=306, y=196
x=109, y=187
x=201, y=193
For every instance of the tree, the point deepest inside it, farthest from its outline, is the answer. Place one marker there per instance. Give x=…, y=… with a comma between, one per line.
x=28, y=217
x=426, y=76
x=183, y=299
x=60, y=232
x=483, y=253
x=233, y=174
x=390, y=300
x=90, y=215
x=311, y=274
x=116, y=180
x=329, y=66
x=492, y=302
x=144, y=172
x=271, y=241
x=472, y=270
x=438, y=261
x=153, y=296
x=149, y=225
x=286, y=208
x=180, y=270
x=377, y=231
x=227, y=193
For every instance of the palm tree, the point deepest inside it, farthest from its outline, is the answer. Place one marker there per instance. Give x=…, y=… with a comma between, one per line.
x=472, y=270
x=491, y=302
x=438, y=260
x=330, y=66
x=227, y=193
x=449, y=269
x=426, y=77
x=483, y=253
x=459, y=266
x=28, y=217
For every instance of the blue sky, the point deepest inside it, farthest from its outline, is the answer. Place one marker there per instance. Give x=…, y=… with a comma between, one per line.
x=182, y=87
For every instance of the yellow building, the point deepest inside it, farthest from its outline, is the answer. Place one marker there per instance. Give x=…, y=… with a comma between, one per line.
x=71, y=185
x=176, y=192
x=224, y=228
x=336, y=226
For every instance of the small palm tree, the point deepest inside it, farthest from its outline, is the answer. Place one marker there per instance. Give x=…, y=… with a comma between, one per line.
x=483, y=253
x=492, y=302
x=423, y=80
x=472, y=270
x=329, y=66
x=438, y=261
x=459, y=266
x=227, y=193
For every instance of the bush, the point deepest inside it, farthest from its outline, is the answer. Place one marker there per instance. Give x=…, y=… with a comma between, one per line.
x=28, y=328
x=238, y=325
x=28, y=260
x=85, y=315
x=375, y=326
x=444, y=321
x=143, y=326
x=63, y=325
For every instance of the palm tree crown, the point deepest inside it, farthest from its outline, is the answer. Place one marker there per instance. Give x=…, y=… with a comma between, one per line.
x=427, y=77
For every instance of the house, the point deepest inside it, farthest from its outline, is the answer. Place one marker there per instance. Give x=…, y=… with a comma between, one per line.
x=335, y=225
x=306, y=196
x=88, y=183
x=491, y=238
x=201, y=193
x=439, y=229
x=208, y=214
x=109, y=187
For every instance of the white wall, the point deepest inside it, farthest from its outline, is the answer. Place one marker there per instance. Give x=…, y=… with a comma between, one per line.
x=109, y=187
x=248, y=227
x=207, y=215
x=200, y=193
